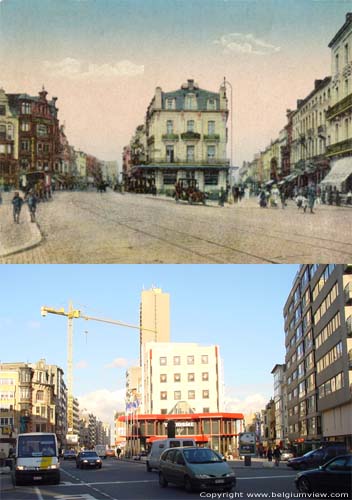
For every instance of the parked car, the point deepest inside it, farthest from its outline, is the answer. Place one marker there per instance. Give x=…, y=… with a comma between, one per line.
x=196, y=469
x=287, y=455
x=314, y=458
x=70, y=455
x=88, y=459
x=110, y=453
x=334, y=476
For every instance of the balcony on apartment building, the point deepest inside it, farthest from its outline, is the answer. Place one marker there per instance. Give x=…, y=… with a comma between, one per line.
x=339, y=148
x=340, y=107
x=348, y=293
x=179, y=162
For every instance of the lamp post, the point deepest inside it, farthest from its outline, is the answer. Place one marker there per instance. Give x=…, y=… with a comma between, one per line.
x=226, y=82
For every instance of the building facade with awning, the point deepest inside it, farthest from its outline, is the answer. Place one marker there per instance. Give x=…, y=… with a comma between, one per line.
x=340, y=175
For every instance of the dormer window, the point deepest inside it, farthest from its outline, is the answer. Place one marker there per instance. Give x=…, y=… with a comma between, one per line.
x=190, y=101
x=26, y=108
x=170, y=103
x=211, y=105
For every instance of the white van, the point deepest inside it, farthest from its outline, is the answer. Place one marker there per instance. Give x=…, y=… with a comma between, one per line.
x=36, y=458
x=160, y=445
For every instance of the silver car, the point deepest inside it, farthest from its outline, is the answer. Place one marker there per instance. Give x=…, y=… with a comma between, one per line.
x=196, y=469
x=286, y=455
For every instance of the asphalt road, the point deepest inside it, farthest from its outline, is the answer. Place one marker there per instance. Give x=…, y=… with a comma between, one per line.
x=87, y=227
x=118, y=480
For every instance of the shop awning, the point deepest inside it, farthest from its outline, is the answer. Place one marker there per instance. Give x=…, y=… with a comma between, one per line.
x=341, y=169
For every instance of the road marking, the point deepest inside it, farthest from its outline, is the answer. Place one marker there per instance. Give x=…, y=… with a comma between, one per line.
x=37, y=492
x=264, y=477
x=109, y=482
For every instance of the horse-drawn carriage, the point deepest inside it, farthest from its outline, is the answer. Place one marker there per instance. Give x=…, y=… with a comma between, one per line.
x=187, y=190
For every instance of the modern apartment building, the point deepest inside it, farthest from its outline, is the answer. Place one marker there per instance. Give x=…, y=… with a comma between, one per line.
x=318, y=339
x=181, y=378
x=280, y=404
x=154, y=317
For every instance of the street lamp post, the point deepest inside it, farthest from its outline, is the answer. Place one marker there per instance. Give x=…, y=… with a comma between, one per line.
x=226, y=82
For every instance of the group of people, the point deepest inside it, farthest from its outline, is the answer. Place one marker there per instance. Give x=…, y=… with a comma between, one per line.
x=273, y=197
x=17, y=203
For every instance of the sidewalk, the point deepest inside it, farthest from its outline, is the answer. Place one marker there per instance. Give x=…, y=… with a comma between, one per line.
x=16, y=238
x=5, y=479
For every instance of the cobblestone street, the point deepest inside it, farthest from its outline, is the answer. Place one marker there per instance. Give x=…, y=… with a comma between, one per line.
x=87, y=227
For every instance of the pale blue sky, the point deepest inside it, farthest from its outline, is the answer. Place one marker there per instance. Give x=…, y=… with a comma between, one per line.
x=104, y=58
x=238, y=307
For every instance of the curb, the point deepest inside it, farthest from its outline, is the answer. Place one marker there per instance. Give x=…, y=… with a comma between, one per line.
x=36, y=239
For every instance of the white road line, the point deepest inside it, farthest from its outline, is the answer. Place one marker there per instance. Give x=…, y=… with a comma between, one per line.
x=263, y=477
x=108, y=482
x=39, y=495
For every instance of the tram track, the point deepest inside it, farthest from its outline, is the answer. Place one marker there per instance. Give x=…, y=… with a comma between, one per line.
x=134, y=224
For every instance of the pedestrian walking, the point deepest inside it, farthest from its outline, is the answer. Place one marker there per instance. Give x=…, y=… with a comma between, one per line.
x=0, y=198
x=31, y=200
x=283, y=197
x=277, y=456
x=269, y=455
x=17, y=203
x=2, y=457
x=222, y=197
x=311, y=197
x=262, y=199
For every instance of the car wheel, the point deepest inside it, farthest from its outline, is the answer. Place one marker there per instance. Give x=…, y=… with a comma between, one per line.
x=188, y=485
x=304, y=485
x=162, y=481
x=149, y=469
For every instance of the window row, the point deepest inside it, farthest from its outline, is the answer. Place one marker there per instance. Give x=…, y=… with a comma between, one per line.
x=303, y=388
x=204, y=359
x=329, y=358
x=190, y=103
x=325, y=305
x=178, y=377
x=6, y=149
x=7, y=395
x=41, y=147
x=332, y=385
x=6, y=421
x=328, y=330
x=311, y=426
x=190, y=395
x=6, y=132
x=190, y=127
x=323, y=279
x=190, y=153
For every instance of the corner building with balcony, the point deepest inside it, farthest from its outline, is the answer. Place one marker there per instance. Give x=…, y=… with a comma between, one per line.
x=318, y=330
x=186, y=138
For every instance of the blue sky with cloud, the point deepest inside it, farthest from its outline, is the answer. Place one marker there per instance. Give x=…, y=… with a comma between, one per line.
x=238, y=307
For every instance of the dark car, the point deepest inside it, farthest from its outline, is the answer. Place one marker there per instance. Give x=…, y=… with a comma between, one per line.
x=196, y=469
x=314, y=458
x=88, y=459
x=70, y=455
x=334, y=476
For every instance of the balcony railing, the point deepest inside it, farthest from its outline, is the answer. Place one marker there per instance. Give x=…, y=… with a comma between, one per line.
x=190, y=136
x=348, y=293
x=322, y=129
x=185, y=161
x=339, y=147
x=170, y=137
x=340, y=107
x=212, y=137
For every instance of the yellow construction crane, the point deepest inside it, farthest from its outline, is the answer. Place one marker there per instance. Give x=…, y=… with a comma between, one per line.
x=72, y=314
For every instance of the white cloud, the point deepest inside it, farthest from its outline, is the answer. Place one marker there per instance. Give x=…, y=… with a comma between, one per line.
x=103, y=403
x=73, y=69
x=117, y=363
x=246, y=44
x=81, y=364
x=246, y=405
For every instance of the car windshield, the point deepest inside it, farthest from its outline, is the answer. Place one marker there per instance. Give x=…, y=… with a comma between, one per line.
x=89, y=454
x=36, y=446
x=201, y=456
x=309, y=453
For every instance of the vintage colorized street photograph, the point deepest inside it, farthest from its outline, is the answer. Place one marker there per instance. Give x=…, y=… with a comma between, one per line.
x=162, y=131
